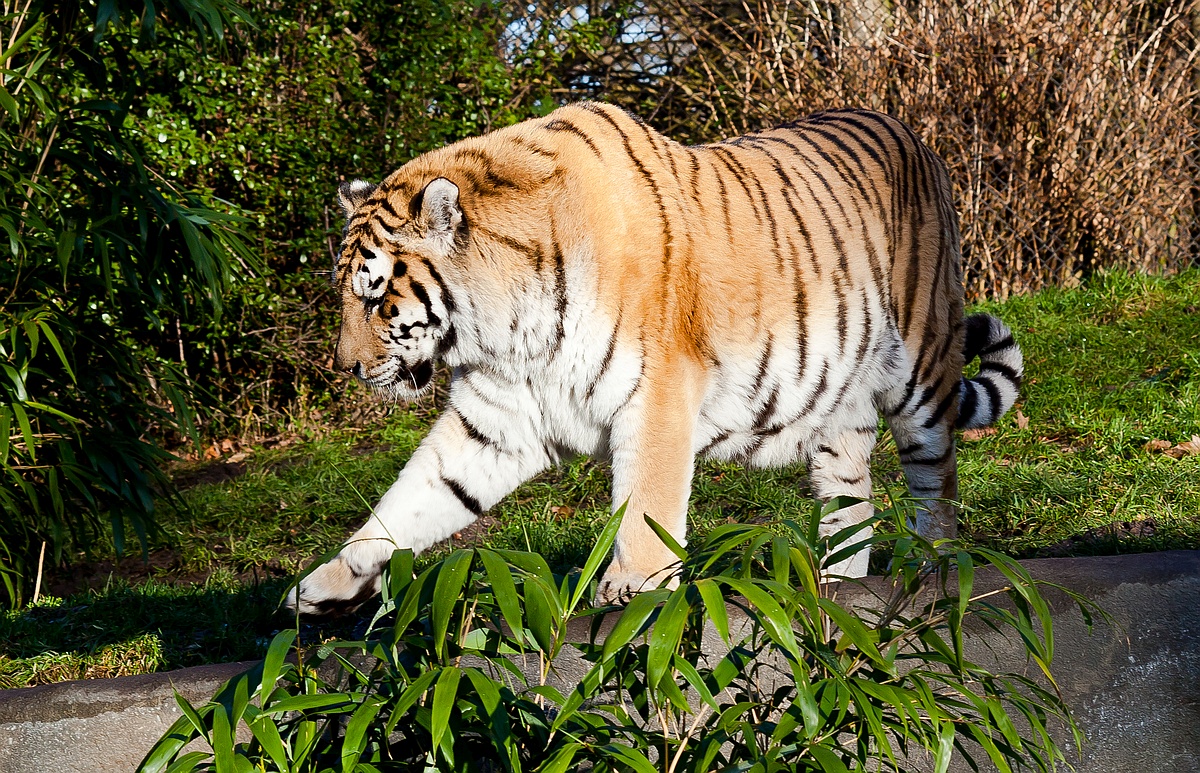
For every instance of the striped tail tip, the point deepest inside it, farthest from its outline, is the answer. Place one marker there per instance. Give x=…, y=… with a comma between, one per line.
x=988, y=396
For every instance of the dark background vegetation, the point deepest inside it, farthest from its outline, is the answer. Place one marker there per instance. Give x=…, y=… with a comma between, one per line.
x=168, y=173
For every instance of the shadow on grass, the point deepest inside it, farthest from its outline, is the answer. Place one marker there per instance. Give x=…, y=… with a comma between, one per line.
x=1118, y=538
x=155, y=626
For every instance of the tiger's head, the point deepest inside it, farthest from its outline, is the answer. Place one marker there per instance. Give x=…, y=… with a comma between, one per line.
x=396, y=304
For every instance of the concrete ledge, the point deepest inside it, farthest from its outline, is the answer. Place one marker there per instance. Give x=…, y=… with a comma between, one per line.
x=98, y=724
x=1134, y=685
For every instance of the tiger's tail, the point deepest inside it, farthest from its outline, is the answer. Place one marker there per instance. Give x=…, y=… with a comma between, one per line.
x=986, y=397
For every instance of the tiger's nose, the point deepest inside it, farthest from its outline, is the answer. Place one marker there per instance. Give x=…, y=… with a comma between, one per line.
x=346, y=365
x=343, y=362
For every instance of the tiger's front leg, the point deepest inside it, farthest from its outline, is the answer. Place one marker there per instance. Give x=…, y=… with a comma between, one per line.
x=456, y=474
x=652, y=461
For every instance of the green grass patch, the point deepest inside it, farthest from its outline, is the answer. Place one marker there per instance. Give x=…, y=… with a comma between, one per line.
x=121, y=630
x=1109, y=367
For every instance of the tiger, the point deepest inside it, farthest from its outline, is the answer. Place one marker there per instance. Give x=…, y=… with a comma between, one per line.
x=595, y=287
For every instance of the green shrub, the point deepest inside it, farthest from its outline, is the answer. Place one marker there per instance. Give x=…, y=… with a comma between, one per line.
x=144, y=149
x=107, y=259
x=806, y=684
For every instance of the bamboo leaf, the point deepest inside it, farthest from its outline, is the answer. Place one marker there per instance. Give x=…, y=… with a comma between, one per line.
x=632, y=620
x=17, y=44
x=981, y=737
x=668, y=540
x=410, y=606
x=803, y=700
x=178, y=735
x=665, y=635
x=9, y=104
x=411, y=694
x=57, y=346
x=26, y=430
x=599, y=552
x=193, y=716
x=489, y=695
x=444, y=694
x=327, y=702
x=631, y=757
x=540, y=613
x=279, y=648
x=222, y=742
x=854, y=629
x=264, y=730
x=561, y=761
x=714, y=607
x=17, y=379
x=52, y=410
x=5, y=432
x=828, y=761
x=775, y=621
x=693, y=678
x=187, y=762
x=447, y=592
x=400, y=572
x=356, y=732
x=966, y=580
x=504, y=589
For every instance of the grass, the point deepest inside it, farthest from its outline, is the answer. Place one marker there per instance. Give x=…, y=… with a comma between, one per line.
x=1110, y=366
x=121, y=630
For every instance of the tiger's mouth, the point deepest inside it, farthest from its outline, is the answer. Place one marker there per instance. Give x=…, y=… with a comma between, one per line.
x=398, y=378
x=417, y=377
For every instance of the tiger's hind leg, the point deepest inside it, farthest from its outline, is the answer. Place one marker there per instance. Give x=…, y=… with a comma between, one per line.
x=923, y=427
x=841, y=466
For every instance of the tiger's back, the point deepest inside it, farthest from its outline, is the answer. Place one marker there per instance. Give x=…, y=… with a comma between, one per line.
x=602, y=289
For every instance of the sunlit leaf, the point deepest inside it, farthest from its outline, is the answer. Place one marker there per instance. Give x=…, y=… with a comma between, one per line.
x=599, y=552
x=505, y=590
x=353, y=741
x=447, y=592
x=665, y=635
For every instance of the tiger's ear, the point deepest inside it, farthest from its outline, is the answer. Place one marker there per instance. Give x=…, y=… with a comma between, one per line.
x=352, y=194
x=440, y=211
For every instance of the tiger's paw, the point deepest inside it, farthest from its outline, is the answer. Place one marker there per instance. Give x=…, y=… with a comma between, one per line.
x=334, y=588
x=857, y=564
x=618, y=587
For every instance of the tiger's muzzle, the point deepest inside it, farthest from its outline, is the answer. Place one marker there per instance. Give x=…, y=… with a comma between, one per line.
x=418, y=376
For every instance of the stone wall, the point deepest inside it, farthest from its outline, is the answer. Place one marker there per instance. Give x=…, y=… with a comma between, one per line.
x=1134, y=684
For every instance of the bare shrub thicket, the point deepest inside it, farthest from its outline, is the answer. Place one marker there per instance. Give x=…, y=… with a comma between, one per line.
x=1070, y=128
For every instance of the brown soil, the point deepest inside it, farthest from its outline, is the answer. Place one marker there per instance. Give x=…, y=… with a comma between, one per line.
x=473, y=535
x=83, y=574
x=217, y=472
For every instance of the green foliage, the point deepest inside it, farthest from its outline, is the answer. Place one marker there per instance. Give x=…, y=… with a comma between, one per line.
x=106, y=257
x=133, y=302
x=317, y=93
x=321, y=92
x=456, y=671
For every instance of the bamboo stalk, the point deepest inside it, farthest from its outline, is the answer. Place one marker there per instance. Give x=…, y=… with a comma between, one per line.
x=37, y=584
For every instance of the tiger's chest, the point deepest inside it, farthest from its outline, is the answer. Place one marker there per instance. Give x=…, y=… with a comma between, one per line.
x=770, y=398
